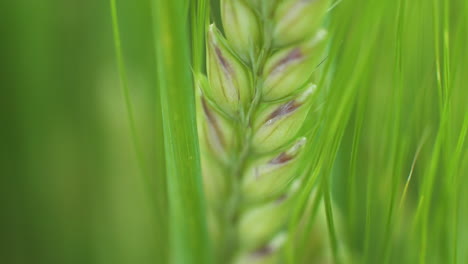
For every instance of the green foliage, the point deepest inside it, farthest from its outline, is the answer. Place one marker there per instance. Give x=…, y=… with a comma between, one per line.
x=386, y=159
x=188, y=237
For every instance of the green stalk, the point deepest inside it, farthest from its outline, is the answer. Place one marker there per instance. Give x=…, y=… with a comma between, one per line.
x=199, y=22
x=188, y=232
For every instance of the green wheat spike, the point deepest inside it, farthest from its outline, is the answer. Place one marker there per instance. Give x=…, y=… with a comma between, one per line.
x=251, y=106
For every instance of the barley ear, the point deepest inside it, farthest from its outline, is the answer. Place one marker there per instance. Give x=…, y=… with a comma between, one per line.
x=251, y=107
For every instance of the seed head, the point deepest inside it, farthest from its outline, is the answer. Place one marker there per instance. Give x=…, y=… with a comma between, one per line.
x=269, y=176
x=277, y=124
x=259, y=222
x=217, y=132
x=264, y=254
x=241, y=27
x=290, y=68
x=296, y=20
x=230, y=82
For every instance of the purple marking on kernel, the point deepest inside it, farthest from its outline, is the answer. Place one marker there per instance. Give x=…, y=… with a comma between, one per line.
x=208, y=113
x=295, y=54
x=282, y=111
x=223, y=61
x=212, y=121
x=292, y=56
x=281, y=199
x=281, y=158
x=262, y=252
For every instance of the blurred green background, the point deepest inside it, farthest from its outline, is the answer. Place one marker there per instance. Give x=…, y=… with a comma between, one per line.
x=70, y=187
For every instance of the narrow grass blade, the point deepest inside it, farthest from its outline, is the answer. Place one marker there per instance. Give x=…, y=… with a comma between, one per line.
x=188, y=231
x=155, y=191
